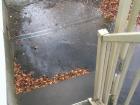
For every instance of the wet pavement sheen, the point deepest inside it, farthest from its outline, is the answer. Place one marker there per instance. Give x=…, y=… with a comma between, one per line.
x=56, y=38
x=49, y=38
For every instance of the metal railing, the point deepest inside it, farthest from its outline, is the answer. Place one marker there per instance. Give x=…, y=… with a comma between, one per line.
x=107, y=60
x=114, y=48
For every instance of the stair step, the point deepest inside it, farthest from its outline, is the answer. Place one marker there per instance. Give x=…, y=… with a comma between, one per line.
x=64, y=93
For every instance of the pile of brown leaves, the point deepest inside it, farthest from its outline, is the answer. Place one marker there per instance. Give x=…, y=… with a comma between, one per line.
x=26, y=83
x=109, y=10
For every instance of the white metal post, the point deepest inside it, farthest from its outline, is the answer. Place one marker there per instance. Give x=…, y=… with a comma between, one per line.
x=133, y=87
x=97, y=67
x=131, y=24
x=115, y=84
x=100, y=75
x=123, y=11
x=101, y=50
x=110, y=71
x=3, y=91
x=105, y=68
x=120, y=25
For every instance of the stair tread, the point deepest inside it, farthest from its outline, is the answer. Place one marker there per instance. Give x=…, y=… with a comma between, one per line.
x=64, y=93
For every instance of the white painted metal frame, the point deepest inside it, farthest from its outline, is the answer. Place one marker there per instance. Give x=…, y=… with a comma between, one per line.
x=100, y=60
x=120, y=26
x=3, y=91
x=109, y=74
x=127, y=37
x=111, y=82
x=113, y=58
x=108, y=52
x=123, y=11
x=127, y=50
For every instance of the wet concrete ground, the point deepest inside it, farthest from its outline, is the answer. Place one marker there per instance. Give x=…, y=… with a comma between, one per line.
x=54, y=37
x=79, y=89
x=64, y=36
x=57, y=38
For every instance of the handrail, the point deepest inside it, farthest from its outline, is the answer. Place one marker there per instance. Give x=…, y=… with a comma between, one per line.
x=128, y=37
x=106, y=65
